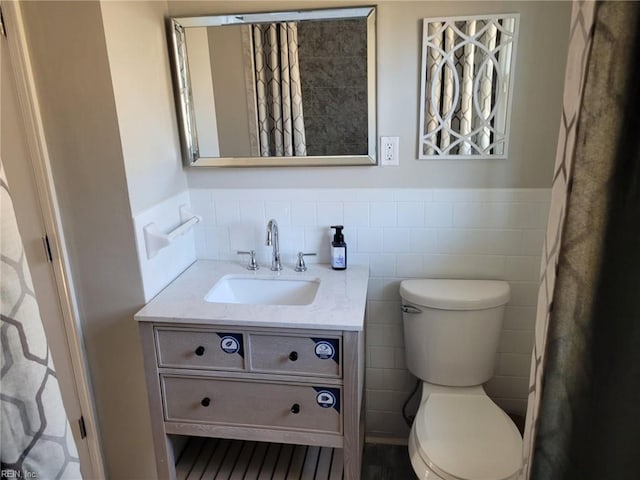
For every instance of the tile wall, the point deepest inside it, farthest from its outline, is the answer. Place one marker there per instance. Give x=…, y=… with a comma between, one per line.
x=399, y=233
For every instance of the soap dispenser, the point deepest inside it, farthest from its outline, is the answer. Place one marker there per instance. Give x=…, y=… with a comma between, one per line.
x=338, y=250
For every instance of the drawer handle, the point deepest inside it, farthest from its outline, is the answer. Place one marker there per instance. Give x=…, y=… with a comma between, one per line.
x=295, y=409
x=206, y=401
x=293, y=356
x=200, y=351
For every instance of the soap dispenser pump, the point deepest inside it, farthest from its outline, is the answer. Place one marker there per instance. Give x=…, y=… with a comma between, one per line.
x=338, y=250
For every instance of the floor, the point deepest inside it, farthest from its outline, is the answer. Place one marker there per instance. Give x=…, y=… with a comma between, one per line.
x=213, y=459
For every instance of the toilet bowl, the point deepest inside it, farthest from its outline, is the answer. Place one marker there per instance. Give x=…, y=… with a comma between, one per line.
x=452, y=328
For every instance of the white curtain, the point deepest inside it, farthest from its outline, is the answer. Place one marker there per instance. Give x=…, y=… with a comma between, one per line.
x=36, y=440
x=278, y=90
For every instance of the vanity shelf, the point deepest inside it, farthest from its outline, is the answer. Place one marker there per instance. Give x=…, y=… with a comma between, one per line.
x=214, y=458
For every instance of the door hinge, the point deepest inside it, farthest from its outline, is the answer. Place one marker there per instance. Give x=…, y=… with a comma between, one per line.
x=3, y=29
x=83, y=428
x=47, y=248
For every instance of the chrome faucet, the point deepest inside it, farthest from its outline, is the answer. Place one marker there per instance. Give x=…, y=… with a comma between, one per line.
x=272, y=239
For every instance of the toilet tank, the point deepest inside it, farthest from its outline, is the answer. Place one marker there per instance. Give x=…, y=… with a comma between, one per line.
x=452, y=329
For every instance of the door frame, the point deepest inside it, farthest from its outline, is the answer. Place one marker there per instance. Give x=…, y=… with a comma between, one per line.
x=39, y=157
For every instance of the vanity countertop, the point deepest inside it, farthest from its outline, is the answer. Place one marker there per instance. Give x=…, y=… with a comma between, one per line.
x=339, y=303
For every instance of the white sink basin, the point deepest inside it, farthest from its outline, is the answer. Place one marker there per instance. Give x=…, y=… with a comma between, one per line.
x=263, y=290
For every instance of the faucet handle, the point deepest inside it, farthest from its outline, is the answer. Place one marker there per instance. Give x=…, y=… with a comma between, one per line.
x=300, y=265
x=253, y=264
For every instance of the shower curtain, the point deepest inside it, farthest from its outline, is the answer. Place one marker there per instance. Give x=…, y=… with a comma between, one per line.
x=582, y=420
x=35, y=441
x=278, y=90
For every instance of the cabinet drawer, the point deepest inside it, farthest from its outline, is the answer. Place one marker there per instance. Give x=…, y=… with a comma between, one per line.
x=252, y=403
x=296, y=355
x=200, y=349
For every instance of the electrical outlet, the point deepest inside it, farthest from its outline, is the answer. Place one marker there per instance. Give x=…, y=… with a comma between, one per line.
x=389, y=151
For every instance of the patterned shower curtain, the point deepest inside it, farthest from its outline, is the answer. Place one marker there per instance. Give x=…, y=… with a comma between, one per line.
x=582, y=418
x=278, y=90
x=36, y=441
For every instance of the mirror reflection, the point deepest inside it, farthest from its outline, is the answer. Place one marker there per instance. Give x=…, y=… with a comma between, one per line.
x=252, y=89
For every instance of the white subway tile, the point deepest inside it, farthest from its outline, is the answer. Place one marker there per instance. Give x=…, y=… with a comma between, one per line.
x=422, y=240
x=303, y=214
x=376, y=289
x=385, y=313
x=369, y=240
x=381, y=357
x=243, y=237
x=524, y=294
x=375, y=378
x=317, y=240
x=382, y=265
x=531, y=243
x=391, y=290
x=383, y=214
x=354, y=258
x=389, y=424
x=409, y=266
x=330, y=213
x=477, y=241
x=519, y=318
x=204, y=249
x=410, y=214
x=395, y=240
x=438, y=215
x=202, y=204
x=384, y=335
x=400, y=358
x=356, y=214
x=522, y=268
x=227, y=212
x=489, y=267
x=481, y=215
x=280, y=211
x=514, y=364
x=413, y=195
x=516, y=341
x=218, y=238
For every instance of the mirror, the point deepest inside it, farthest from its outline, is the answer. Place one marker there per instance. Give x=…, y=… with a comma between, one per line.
x=466, y=86
x=276, y=89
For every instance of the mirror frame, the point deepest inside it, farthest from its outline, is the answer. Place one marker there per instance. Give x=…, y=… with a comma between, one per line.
x=184, y=100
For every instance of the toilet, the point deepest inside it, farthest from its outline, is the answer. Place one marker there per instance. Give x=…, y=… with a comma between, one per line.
x=451, y=332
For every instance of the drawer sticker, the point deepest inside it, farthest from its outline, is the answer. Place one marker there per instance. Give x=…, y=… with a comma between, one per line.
x=327, y=349
x=328, y=397
x=231, y=343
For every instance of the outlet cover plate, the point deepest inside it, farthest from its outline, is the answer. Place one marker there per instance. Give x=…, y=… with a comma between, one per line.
x=389, y=151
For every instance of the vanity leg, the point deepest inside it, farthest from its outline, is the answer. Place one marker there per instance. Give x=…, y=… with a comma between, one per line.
x=162, y=447
x=353, y=370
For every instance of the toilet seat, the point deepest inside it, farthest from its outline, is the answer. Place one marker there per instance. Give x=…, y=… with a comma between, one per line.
x=467, y=437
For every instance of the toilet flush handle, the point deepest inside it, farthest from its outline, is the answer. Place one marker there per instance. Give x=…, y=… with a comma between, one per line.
x=410, y=309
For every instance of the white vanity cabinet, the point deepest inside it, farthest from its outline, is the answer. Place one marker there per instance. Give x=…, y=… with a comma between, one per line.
x=236, y=379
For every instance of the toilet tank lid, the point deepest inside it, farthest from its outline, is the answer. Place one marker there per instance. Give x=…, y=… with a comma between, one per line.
x=450, y=294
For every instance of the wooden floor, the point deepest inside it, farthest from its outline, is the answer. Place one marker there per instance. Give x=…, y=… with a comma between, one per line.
x=212, y=458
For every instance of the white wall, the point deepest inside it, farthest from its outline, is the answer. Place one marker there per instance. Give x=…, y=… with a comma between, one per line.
x=539, y=74
x=139, y=65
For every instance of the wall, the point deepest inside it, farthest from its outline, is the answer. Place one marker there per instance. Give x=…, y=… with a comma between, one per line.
x=536, y=108
x=228, y=71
